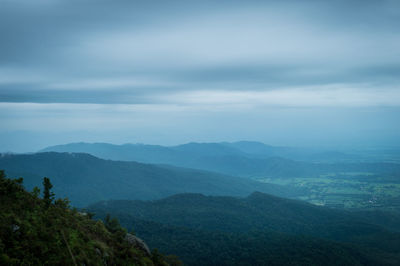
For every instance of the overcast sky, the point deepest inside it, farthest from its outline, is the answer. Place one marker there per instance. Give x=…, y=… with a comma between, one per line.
x=294, y=73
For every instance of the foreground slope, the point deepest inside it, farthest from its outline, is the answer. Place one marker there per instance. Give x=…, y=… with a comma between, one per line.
x=33, y=232
x=260, y=221
x=85, y=179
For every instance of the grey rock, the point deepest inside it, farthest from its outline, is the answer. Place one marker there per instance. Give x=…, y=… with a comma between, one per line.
x=138, y=243
x=98, y=251
x=15, y=227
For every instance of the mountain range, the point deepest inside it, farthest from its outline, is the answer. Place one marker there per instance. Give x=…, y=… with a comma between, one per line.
x=245, y=159
x=86, y=179
x=200, y=201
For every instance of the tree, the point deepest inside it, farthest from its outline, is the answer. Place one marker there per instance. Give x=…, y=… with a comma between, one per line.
x=112, y=224
x=48, y=196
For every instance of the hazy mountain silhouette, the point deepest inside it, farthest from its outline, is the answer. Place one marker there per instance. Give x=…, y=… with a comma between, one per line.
x=246, y=159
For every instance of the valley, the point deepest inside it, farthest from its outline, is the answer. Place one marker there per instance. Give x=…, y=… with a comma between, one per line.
x=354, y=179
x=346, y=190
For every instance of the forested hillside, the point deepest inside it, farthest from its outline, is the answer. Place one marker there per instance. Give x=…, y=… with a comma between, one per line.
x=202, y=247
x=264, y=224
x=35, y=231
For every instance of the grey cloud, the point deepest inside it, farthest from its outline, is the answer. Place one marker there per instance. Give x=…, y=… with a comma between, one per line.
x=74, y=51
x=37, y=94
x=276, y=76
x=39, y=34
x=114, y=89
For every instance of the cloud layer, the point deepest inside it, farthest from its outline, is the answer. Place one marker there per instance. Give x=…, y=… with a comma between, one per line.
x=138, y=62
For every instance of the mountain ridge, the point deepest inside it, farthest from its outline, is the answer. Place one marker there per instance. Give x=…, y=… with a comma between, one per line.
x=226, y=158
x=85, y=179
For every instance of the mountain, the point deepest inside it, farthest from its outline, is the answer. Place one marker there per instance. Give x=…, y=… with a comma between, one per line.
x=251, y=149
x=200, y=247
x=261, y=150
x=208, y=149
x=86, y=179
x=126, y=152
x=205, y=156
x=36, y=232
x=262, y=223
x=245, y=159
x=258, y=211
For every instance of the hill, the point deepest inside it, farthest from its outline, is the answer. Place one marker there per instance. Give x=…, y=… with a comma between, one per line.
x=200, y=247
x=34, y=231
x=85, y=179
x=263, y=223
x=245, y=159
x=258, y=211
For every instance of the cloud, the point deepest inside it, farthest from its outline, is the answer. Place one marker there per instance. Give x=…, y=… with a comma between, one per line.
x=132, y=49
x=187, y=67
x=339, y=95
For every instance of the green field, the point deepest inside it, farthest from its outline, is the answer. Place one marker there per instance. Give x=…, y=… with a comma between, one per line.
x=346, y=190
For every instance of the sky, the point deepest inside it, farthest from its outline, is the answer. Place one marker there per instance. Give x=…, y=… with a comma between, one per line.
x=292, y=73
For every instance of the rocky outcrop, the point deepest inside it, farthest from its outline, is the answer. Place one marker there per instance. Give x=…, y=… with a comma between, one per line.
x=137, y=243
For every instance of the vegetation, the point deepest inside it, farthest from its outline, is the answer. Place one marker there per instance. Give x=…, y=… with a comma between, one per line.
x=227, y=230
x=35, y=231
x=202, y=247
x=48, y=196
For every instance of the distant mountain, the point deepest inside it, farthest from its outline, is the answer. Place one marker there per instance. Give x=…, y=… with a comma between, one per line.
x=86, y=179
x=126, y=152
x=137, y=152
x=208, y=149
x=258, y=219
x=245, y=159
x=262, y=150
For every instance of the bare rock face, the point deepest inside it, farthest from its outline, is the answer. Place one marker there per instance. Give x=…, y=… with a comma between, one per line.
x=137, y=243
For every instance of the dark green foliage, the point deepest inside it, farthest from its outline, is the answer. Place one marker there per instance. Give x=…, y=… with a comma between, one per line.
x=48, y=196
x=258, y=211
x=199, y=247
x=227, y=230
x=112, y=224
x=38, y=232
